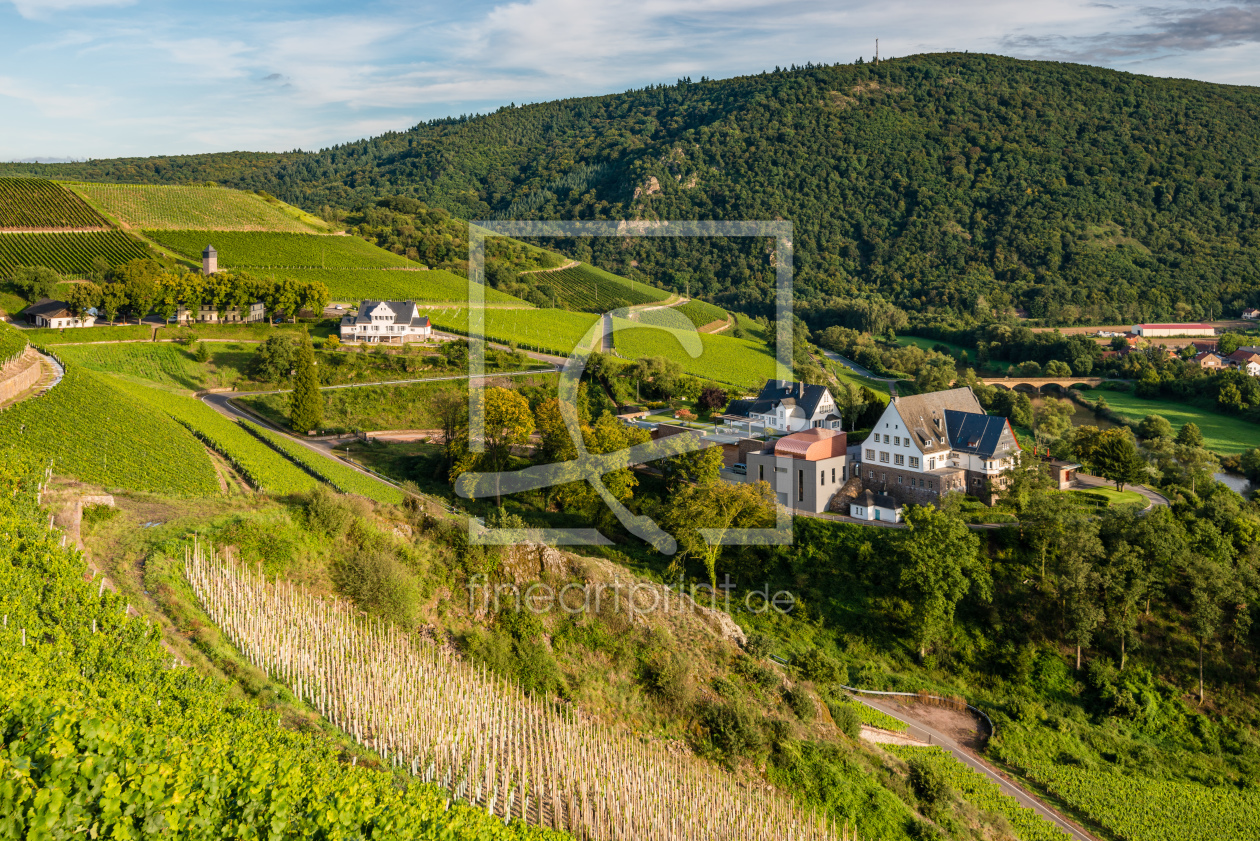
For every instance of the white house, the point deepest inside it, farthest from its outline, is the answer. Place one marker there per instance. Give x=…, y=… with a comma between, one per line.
x=930, y=444
x=50, y=313
x=1246, y=361
x=1151, y=331
x=788, y=407
x=1251, y=313
x=209, y=314
x=873, y=506
x=392, y=322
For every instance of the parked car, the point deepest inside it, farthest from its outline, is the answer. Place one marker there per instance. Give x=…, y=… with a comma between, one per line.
x=740, y=468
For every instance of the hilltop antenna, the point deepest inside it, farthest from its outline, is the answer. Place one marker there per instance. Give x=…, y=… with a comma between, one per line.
x=877, y=51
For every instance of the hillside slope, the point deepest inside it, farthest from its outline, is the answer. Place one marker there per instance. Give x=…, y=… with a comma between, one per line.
x=952, y=185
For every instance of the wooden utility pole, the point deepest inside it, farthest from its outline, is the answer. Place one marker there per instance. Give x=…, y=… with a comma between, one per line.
x=877, y=51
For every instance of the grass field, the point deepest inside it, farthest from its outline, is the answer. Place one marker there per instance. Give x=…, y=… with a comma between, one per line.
x=87, y=427
x=739, y=362
x=68, y=253
x=355, y=285
x=702, y=313
x=255, y=250
x=1221, y=433
x=161, y=207
x=955, y=351
x=1109, y=498
x=844, y=375
x=547, y=331
x=36, y=203
x=80, y=335
x=589, y=289
x=164, y=364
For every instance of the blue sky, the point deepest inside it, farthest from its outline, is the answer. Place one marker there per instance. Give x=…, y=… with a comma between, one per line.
x=104, y=78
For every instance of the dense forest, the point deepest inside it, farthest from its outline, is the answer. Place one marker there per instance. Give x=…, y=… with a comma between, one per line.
x=957, y=187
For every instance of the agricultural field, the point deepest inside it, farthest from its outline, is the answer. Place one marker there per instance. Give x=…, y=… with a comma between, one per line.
x=702, y=313
x=36, y=203
x=872, y=717
x=92, y=430
x=955, y=351
x=695, y=314
x=739, y=362
x=254, y=250
x=1221, y=433
x=159, y=207
x=546, y=331
x=982, y=792
x=68, y=253
x=166, y=364
x=341, y=476
x=264, y=468
x=589, y=289
x=12, y=345
x=355, y=285
x=49, y=336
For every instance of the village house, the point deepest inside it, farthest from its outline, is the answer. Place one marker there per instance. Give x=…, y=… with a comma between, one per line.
x=209, y=314
x=787, y=407
x=1210, y=360
x=392, y=322
x=50, y=313
x=1251, y=314
x=804, y=469
x=875, y=507
x=1246, y=361
x=927, y=445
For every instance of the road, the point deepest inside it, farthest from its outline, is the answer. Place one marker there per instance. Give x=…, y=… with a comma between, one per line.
x=859, y=370
x=1155, y=498
x=1008, y=786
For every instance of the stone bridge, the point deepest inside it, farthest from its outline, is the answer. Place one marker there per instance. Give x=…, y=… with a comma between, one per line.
x=1038, y=382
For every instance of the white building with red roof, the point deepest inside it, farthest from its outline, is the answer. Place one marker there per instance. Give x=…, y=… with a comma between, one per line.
x=1157, y=331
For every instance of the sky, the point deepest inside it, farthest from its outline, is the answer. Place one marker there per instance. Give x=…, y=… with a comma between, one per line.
x=110, y=78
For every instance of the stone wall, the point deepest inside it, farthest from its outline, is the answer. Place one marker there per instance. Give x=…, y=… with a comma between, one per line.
x=20, y=375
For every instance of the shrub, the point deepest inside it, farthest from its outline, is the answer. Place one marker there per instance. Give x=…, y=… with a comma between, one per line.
x=668, y=676
x=376, y=580
x=801, y=701
x=820, y=667
x=758, y=645
x=848, y=720
x=328, y=511
x=928, y=781
x=755, y=673
x=733, y=728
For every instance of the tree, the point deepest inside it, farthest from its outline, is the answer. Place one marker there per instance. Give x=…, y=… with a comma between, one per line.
x=35, y=282
x=1190, y=436
x=1078, y=590
x=1117, y=458
x=716, y=505
x=274, y=359
x=937, y=374
x=1053, y=418
x=1196, y=461
x=1022, y=411
x=313, y=297
x=140, y=280
x=1250, y=464
x=81, y=297
x=1123, y=579
x=940, y=562
x=1231, y=398
x=699, y=467
x=450, y=409
x=202, y=353
x=1205, y=609
x=712, y=398
x=1154, y=426
x=113, y=299
x=306, y=404
x=508, y=424
x=284, y=298
x=171, y=293
x=662, y=376
x=851, y=401
x=1056, y=368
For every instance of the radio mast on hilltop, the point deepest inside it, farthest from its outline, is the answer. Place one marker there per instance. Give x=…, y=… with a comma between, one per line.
x=877, y=51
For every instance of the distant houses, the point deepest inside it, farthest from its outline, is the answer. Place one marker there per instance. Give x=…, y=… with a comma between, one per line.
x=788, y=406
x=210, y=314
x=386, y=322
x=1251, y=314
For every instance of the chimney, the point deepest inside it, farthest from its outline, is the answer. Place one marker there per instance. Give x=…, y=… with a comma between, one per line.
x=209, y=261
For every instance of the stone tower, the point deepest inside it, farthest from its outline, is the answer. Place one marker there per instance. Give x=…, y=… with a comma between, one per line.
x=209, y=261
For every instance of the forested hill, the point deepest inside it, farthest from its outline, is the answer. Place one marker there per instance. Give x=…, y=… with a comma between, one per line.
x=950, y=185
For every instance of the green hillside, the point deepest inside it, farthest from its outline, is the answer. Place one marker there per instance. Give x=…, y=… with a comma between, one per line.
x=354, y=285
x=68, y=253
x=183, y=208
x=36, y=203
x=587, y=288
x=254, y=250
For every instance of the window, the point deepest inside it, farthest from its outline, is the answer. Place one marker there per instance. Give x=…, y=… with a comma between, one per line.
x=899, y=460
x=883, y=457
x=914, y=461
x=883, y=477
x=761, y=473
x=897, y=440
x=833, y=475
x=822, y=477
x=899, y=482
x=870, y=455
x=800, y=485
x=870, y=474
x=886, y=439
x=844, y=474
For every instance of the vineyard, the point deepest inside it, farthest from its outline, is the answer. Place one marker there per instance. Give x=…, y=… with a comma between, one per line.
x=980, y=791
x=12, y=345
x=695, y=314
x=105, y=736
x=702, y=313
x=68, y=253
x=92, y=430
x=342, y=477
x=264, y=468
x=589, y=289
x=354, y=285
x=253, y=250
x=35, y=203
x=546, y=331
x=738, y=362
x=876, y=718
x=164, y=363
x=523, y=759
x=197, y=208
x=82, y=335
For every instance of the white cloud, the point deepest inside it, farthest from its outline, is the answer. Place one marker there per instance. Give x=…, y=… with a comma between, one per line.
x=46, y=9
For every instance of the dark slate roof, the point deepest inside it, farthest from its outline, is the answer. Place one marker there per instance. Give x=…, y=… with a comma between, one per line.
x=974, y=433
x=924, y=414
x=740, y=408
x=209, y=252
x=781, y=391
x=48, y=308
x=871, y=499
x=405, y=313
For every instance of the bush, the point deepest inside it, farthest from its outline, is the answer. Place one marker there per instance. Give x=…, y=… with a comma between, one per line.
x=848, y=720
x=668, y=676
x=329, y=512
x=928, y=781
x=733, y=728
x=821, y=668
x=801, y=701
x=755, y=673
x=379, y=582
x=758, y=645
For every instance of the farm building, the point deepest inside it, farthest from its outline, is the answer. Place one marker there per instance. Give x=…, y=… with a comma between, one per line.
x=805, y=469
x=391, y=322
x=788, y=407
x=50, y=313
x=1155, y=331
x=209, y=314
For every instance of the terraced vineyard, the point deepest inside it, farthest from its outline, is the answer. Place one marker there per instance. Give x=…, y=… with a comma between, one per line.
x=68, y=253
x=702, y=313
x=264, y=468
x=91, y=429
x=724, y=359
x=342, y=477
x=984, y=793
x=354, y=285
x=150, y=206
x=165, y=363
x=253, y=250
x=36, y=203
x=696, y=313
x=545, y=331
x=12, y=345
x=589, y=289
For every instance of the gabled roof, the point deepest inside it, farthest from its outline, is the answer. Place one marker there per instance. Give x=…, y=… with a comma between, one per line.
x=924, y=415
x=209, y=252
x=869, y=499
x=1242, y=357
x=405, y=313
x=973, y=433
x=49, y=308
x=804, y=395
